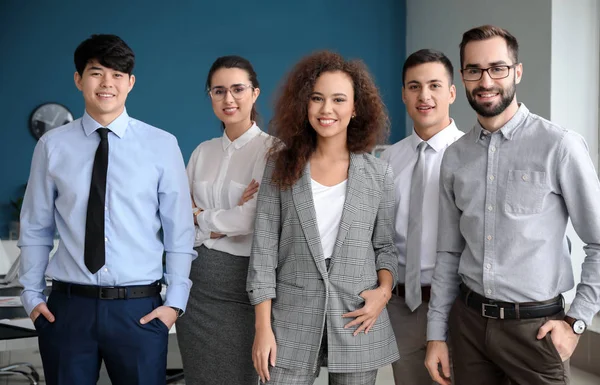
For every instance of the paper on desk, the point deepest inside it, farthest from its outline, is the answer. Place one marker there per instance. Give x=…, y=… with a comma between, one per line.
x=14, y=301
x=24, y=323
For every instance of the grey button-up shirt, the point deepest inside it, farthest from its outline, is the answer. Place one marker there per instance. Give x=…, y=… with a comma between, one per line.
x=505, y=199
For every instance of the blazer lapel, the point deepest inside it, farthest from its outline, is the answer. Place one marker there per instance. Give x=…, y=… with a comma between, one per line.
x=305, y=207
x=354, y=195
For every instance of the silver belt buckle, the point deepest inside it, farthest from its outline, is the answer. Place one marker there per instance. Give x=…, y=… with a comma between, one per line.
x=485, y=306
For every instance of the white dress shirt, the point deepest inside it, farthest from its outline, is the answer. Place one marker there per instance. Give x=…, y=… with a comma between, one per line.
x=402, y=157
x=329, y=205
x=219, y=171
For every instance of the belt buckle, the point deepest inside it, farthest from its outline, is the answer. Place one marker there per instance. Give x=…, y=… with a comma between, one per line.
x=485, y=306
x=102, y=291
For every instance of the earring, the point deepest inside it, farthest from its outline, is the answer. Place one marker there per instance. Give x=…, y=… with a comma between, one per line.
x=353, y=116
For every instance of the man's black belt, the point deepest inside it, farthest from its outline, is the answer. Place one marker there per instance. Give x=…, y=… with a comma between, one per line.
x=508, y=310
x=107, y=292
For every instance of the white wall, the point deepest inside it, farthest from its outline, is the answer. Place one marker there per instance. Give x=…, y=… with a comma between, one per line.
x=439, y=24
x=559, y=48
x=575, y=83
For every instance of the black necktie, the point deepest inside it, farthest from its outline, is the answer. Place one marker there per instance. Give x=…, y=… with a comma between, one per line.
x=94, y=252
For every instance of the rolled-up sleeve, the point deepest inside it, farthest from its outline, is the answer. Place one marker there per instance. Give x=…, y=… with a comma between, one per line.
x=386, y=254
x=261, y=280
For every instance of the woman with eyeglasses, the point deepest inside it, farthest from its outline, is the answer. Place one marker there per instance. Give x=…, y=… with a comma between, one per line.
x=323, y=261
x=216, y=332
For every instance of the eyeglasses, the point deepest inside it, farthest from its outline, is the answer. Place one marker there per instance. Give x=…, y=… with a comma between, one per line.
x=495, y=72
x=237, y=91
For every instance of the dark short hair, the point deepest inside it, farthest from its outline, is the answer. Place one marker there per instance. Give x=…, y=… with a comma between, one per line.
x=486, y=32
x=109, y=50
x=423, y=56
x=234, y=61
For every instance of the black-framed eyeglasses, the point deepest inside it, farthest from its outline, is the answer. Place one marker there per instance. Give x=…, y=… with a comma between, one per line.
x=473, y=74
x=237, y=91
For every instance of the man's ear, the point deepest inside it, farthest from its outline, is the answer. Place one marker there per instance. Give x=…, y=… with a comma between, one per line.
x=77, y=79
x=518, y=73
x=452, y=93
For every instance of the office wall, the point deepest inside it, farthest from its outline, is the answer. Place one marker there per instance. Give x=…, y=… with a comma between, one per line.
x=175, y=43
x=439, y=24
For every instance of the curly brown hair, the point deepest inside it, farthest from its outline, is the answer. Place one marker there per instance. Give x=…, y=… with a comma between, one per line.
x=297, y=139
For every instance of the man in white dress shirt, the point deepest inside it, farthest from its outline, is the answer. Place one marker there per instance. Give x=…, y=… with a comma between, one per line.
x=427, y=91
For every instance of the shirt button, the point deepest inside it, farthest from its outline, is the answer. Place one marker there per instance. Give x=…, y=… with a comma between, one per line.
x=105, y=269
x=493, y=148
x=105, y=239
x=105, y=208
x=525, y=178
x=488, y=266
x=492, y=177
x=489, y=291
x=490, y=208
x=489, y=237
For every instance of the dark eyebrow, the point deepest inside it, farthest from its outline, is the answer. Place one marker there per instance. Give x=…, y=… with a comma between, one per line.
x=233, y=85
x=336, y=94
x=492, y=64
x=414, y=82
x=94, y=68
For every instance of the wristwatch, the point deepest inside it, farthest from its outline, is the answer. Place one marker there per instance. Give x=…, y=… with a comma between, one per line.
x=577, y=325
x=178, y=310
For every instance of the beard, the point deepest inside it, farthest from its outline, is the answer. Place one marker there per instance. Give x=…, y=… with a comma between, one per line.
x=488, y=109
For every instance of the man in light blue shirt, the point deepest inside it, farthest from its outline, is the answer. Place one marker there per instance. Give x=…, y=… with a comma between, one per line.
x=105, y=302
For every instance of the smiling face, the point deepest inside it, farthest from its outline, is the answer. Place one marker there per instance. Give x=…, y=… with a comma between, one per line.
x=230, y=110
x=104, y=90
x=331, y=105
x=491, y=98
x=428, y=94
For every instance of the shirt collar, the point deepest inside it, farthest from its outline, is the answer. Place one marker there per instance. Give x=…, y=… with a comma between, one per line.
x=243, y=139
x=510, y=128
x=439, y=141
x=117, y=126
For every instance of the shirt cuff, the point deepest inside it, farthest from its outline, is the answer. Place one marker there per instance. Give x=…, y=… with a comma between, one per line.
x=261, y=295
x=177, y=296
x=437, y=331
x=580, y=309
x=31, y=299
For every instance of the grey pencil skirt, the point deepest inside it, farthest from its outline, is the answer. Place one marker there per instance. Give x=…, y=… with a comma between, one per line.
x=216, y=332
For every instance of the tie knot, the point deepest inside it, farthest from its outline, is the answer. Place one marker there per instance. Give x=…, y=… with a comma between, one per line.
x=103, y=132
x=422, y=147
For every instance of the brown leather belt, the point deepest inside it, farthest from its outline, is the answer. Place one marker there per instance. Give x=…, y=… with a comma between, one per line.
x=490, y=308
x=399, y=290
x=105, y=292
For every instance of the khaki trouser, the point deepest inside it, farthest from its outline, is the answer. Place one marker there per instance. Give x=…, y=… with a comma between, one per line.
x=410, y=329
x=501, y=352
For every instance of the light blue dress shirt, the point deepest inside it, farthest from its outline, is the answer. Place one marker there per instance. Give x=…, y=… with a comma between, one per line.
x=148, y=210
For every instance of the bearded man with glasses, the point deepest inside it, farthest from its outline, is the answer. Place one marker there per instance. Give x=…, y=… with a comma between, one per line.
x=507, y=190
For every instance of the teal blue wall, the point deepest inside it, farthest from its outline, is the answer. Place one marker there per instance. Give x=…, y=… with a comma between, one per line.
x=175, y=43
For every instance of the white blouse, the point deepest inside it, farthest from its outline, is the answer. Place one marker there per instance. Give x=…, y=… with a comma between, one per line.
x=329, y=205
x=219, y=171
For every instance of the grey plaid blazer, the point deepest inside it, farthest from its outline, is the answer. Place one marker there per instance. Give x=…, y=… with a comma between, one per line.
x=287, y=265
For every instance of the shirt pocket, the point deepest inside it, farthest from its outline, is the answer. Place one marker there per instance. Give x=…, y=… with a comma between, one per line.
x=236, y=190
x=525, y=192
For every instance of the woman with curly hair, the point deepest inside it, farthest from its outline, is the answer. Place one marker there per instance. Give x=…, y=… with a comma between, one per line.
x=323, y=260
